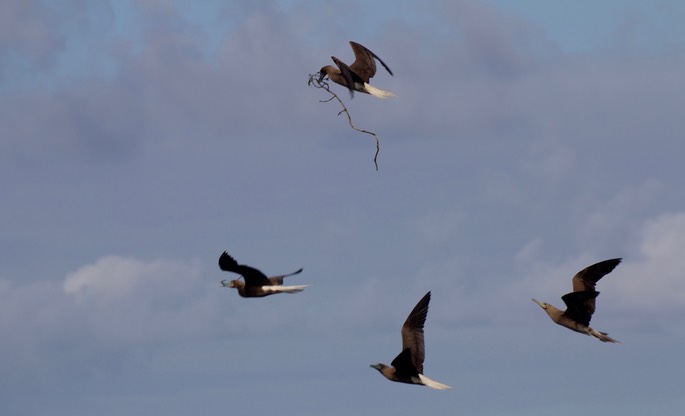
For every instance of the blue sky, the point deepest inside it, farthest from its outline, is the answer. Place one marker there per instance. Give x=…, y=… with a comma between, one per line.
x=528, y=140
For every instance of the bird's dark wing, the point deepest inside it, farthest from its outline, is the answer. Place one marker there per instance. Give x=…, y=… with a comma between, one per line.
x=364, y=63
x=403, y=364
x=580, y=306
x=586, y=279
x=252, y=276
x=278, y=280
x=412, y=332
x=350, y=76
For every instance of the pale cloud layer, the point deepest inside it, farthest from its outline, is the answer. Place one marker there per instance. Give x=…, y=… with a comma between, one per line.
x=655, y=281
x=649, y=280
x=127, y=299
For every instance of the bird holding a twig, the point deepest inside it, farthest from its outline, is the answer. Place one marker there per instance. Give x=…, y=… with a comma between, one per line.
x=356, y=77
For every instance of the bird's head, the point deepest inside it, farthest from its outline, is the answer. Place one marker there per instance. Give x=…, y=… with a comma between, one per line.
x=379, y=366
x=543, y=305
x=323, y=72
x=227, y=283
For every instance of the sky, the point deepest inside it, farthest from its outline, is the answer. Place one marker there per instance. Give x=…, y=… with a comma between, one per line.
x=528, y=140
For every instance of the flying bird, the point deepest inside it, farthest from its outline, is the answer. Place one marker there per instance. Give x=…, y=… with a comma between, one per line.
x=580, y=304
x=407, y=367
x=356, y=76
x=256, y=284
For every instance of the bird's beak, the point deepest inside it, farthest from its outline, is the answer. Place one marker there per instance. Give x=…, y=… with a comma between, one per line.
x=539, y=303
x=376, y=366
x=322, y=75
x=225, y=283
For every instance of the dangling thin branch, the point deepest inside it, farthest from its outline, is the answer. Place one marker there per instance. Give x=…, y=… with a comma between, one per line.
x=314, y=80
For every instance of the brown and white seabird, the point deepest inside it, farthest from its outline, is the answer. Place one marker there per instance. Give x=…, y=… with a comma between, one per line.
x=580, y=304
x=356, y=76
x=407, y=367
x=256, y=284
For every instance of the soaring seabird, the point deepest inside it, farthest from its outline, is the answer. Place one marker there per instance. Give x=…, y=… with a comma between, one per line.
x=356, y=76
x=580, y=304
x=256, y=284
x=407, y=367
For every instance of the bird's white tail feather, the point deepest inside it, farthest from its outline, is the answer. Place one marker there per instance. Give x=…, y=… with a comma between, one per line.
x=284, y=289
x=432, y=383
x=602, y=336
x=378, y=92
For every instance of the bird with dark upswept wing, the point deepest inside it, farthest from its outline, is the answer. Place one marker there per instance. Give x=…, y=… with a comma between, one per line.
x=580, y=304
x=407, y=367
x=256, y=284
x=356, y=76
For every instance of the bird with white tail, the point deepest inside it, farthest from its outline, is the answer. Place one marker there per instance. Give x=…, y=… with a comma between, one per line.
x=255, y=284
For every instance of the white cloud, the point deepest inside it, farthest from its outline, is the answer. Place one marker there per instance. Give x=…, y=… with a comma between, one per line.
x=111, y=276
x=657, y=281
x=114, y=276
x=115, y=299
x=131, y=300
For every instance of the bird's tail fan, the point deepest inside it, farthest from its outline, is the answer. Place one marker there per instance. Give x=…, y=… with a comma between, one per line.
x=602, y=336
x=376, y=92
x=284, y=289
x=432, y=383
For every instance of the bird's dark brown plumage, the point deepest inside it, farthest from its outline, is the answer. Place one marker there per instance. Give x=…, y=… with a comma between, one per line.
x=407, y=367
x=580, y=303
x=356, y=75
x=252, y=276
x=412, y=332
x=585, y=281
x=255, y=284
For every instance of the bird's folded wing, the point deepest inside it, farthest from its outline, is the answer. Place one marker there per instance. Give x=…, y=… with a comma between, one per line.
x=580, y=306
x=350, y=76
x=403, y=364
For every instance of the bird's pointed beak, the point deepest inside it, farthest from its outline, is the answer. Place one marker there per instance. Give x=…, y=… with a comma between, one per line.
x=376, y=366
x=225, y=283
x=322, y=75
x=539, y=303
